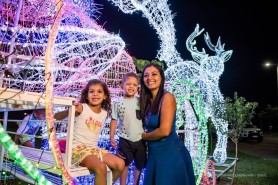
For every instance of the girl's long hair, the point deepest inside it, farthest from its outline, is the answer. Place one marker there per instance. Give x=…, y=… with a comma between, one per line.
x=106, y=104
x=145, y=93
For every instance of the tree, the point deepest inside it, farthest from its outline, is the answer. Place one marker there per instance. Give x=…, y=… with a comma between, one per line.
x=238, y=112
x=269, y=116
x=140, y=63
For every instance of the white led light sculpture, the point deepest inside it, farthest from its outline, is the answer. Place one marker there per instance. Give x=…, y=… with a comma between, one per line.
x=82, y=50
x=204, y=71
x=192, y=122
x=57, y=51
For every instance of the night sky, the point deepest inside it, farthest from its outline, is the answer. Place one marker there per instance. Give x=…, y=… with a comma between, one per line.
x=249, y=29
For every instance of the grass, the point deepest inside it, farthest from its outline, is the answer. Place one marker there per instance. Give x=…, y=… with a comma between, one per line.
x=251, y=170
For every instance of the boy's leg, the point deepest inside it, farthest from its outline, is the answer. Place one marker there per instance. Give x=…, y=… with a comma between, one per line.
x=123, y=176
x=29, y=144
x=137, y=174
x=140, y=158
x=124, y=151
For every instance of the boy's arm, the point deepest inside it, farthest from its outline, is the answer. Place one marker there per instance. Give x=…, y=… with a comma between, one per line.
x=16, y=139
x=22, y=128
x=113, y=125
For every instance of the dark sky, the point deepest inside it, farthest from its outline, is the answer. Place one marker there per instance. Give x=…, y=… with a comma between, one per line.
x=249, y=29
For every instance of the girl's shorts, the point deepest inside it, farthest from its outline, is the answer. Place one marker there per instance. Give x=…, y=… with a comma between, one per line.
x=80, y=152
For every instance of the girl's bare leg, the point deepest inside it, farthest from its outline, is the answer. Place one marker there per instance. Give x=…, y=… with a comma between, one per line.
x=115, y=163
x=97, y=167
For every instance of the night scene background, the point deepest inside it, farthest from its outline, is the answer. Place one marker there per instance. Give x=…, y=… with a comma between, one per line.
x=249, y=29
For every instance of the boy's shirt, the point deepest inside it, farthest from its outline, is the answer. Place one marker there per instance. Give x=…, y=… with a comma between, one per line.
x=129, y=125
x=31, y=127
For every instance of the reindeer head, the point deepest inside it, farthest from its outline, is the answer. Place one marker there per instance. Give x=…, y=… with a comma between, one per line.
x=212, y=66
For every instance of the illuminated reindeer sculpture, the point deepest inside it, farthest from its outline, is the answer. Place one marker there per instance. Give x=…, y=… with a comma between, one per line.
x=204, y=72
x=190, y=81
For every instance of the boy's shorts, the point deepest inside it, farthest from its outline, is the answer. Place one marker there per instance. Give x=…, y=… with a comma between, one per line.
x=133, y=151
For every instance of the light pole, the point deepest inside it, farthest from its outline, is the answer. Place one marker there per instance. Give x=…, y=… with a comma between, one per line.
x=270, y=64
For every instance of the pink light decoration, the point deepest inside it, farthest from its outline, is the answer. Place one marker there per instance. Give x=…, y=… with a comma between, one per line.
x=57, y=55
x=49, y=94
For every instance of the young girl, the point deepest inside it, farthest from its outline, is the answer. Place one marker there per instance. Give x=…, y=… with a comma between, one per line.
x=90, y=116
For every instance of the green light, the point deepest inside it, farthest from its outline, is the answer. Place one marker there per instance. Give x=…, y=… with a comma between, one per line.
x=20, y=159
x=5, y=138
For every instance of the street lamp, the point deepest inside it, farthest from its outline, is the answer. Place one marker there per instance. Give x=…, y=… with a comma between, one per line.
x=270, y=64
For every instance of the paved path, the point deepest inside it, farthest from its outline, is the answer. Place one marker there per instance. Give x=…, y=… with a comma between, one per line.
x=267, y=149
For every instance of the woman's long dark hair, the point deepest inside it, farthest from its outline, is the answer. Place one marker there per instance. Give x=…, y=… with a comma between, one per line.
x=145, y=93
x=106, y=104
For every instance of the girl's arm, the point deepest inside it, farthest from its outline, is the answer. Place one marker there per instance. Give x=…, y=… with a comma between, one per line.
x=113, y=125
x=63, y=114
x=167, y=114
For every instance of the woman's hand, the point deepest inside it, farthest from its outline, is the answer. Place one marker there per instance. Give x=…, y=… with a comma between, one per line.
x=144, y=135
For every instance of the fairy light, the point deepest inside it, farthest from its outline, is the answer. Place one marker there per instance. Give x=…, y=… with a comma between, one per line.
x=204, y=71
x=194, y=123
x=7, y=142
x=83, y=50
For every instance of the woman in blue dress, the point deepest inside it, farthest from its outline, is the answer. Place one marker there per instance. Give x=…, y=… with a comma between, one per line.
x=169, y=162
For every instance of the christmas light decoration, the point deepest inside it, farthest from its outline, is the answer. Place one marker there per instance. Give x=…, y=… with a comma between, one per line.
x=192, y=122
x=42, y=51
x=58, y=50
x=82, y=49
x=19, y=159
x=203, y=71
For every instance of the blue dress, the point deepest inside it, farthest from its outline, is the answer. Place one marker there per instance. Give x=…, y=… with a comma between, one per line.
x=168, y=162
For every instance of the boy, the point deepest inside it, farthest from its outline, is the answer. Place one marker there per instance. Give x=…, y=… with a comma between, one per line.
x=126, y=112
x=30, y=127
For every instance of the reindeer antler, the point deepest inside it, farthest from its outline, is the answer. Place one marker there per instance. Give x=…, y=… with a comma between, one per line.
x=190, y=45
x=218, y=48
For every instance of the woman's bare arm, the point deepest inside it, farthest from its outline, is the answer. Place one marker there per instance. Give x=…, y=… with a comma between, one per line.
x=167, y=114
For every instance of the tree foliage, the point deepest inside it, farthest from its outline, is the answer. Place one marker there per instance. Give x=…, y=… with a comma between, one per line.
x=238, y=112
x=140, y=64
x=269, y=115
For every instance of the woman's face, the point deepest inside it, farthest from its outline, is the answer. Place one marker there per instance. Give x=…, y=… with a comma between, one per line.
x=152, y=78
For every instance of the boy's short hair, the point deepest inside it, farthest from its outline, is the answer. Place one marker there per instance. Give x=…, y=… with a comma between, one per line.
x=129, y=74
x=39, y=111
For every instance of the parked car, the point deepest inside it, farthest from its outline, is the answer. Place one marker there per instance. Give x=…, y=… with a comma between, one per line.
x=251, y=132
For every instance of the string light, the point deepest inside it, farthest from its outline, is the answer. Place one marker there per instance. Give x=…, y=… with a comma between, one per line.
x=33, y=172
x=84, y=50
x=203, y=71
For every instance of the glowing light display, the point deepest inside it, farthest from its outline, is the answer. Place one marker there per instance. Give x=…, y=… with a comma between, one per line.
x=203, y=71
x=82, y=50
x=20, y=160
